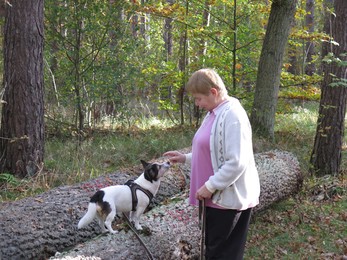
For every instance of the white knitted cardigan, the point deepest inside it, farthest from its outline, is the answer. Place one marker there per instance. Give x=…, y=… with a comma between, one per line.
x=235, y=182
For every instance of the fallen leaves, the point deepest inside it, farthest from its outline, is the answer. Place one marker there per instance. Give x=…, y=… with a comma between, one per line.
x=303, y=227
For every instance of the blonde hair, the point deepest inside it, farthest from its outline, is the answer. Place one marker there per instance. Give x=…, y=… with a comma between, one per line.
x=203, y=80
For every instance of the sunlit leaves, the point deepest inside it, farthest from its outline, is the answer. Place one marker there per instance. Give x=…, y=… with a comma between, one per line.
x=300, y=86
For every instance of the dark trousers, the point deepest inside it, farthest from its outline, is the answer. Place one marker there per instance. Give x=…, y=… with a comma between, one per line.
x=226, y=233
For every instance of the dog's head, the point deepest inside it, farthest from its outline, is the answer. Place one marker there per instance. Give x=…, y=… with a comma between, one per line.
x=154, y=171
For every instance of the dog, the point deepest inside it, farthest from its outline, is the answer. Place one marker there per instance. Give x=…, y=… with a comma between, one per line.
x=107, y=202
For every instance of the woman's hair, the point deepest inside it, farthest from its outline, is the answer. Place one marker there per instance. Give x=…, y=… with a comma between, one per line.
x=203, y=80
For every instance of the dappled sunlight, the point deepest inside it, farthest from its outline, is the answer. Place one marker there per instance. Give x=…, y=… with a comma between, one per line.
x=301, y=118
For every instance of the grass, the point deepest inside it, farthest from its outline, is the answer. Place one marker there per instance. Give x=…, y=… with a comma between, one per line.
x=68, y=161
x=295, y=130
x=309, y=225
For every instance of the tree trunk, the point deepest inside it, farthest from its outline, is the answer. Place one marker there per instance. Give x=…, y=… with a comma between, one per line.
x=234, y=50
x=36, y=228
x=80, y=115
x=167, y=35
x=205, y=24
x=182, y=64
x=168, y=43
x=310, y=67
x=269, y=68
x=326, y=154
x=22, y=122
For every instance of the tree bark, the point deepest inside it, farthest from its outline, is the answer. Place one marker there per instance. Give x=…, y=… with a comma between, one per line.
x=269, y=68
x=167, y=36
x=327, y=150
x=22, y=122
x=182, y=64
x=38, y=227
x=310, y=67
x=206, y=16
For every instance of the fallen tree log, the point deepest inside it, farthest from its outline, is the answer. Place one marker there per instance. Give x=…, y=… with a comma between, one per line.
x=38, y=227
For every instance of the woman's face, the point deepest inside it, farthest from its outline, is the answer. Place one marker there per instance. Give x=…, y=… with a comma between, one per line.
x=206, y=102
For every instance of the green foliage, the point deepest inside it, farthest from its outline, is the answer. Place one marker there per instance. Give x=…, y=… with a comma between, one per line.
x=12, y=188
x=331, y=58
x=96, y=53
x=81, y=54
x=302, y=87
x=101, y=54
x=338, y=83
x=7, y=178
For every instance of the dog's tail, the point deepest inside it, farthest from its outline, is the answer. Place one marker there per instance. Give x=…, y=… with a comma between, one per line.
x=89, y=216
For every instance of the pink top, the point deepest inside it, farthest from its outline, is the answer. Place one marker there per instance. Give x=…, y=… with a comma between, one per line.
x=201, y=165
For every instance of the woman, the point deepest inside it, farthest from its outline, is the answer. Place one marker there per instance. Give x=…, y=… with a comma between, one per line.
x=223, y=171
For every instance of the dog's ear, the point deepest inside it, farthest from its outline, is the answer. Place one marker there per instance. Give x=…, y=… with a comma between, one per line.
x=144, y=164
x=151, y=173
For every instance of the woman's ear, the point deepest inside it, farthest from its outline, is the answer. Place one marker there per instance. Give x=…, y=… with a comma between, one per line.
x=214, y=91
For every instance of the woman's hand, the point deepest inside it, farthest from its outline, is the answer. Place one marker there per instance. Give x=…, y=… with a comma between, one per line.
x=175, y=157
x=203, y=193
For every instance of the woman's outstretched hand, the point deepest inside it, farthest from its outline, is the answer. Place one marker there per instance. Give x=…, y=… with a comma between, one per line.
x=175, y=157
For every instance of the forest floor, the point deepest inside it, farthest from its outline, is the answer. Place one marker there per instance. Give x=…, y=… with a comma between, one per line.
x=313, y=223
x=310, y=225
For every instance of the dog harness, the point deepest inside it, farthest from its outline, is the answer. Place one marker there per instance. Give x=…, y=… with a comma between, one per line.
x=133, y=188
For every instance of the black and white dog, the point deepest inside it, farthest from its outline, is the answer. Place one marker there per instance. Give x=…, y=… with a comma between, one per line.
x=133, y=197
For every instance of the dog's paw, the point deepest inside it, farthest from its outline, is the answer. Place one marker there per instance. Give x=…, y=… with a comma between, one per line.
x=138, y=227
x=103, y=229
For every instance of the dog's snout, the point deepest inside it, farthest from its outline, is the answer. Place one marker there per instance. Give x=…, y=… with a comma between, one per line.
x=166, y=165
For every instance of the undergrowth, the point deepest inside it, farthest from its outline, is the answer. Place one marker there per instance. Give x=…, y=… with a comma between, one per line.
x=68, y=160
